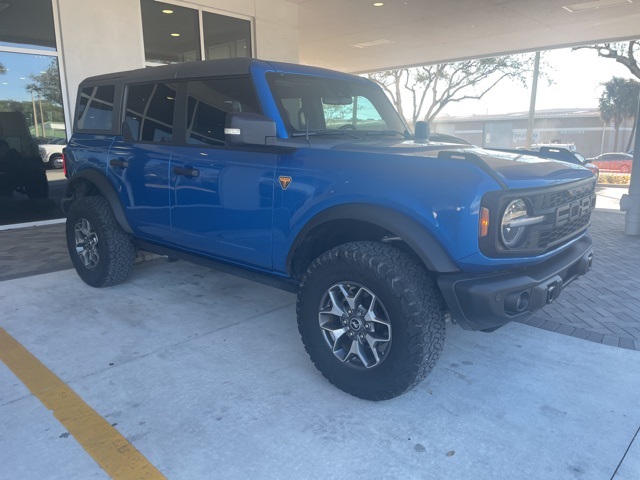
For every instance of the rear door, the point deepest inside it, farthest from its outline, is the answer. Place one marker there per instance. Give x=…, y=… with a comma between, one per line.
x=139, y=158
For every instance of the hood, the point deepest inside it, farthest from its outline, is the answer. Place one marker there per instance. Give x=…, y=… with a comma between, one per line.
x=512, y=170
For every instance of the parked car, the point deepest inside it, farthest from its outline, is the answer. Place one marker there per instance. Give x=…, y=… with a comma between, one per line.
x=51, y=152
x=586, y=163
x=21, y=169
x=558, y=153
x=309, y=180
x=613, y=162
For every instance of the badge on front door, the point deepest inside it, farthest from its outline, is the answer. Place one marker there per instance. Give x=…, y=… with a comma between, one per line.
x=284, y=182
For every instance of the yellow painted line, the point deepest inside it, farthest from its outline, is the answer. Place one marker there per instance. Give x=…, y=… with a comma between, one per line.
x=104, y=443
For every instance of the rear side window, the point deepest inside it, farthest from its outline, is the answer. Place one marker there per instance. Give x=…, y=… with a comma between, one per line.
x=149, y=112
x=209, y=102
x=95, y=108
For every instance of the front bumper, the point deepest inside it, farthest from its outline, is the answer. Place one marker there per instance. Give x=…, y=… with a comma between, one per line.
x=486, y=302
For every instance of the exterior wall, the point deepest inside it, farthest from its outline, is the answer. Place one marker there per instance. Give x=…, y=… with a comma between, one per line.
x=98, y=36
x=587, y=132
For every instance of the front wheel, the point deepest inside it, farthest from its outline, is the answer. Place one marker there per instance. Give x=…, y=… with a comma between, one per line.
x=371, y=319
x=101, y=252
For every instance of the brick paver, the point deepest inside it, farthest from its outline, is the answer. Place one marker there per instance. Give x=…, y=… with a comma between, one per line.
x=603, y=306
x=33, y=251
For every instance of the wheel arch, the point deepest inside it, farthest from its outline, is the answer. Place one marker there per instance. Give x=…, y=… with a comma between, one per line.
x=354, y=222
x=91, y=182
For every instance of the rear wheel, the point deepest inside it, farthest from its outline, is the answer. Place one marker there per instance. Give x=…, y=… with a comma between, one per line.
x=371, y=319
x=101, y=252
x=55, y=161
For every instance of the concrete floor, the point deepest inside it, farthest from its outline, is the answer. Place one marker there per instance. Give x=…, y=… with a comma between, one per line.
x=206, y=376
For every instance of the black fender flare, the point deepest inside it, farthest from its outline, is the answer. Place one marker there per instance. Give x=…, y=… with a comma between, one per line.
x=416, y=236
x=106, y=189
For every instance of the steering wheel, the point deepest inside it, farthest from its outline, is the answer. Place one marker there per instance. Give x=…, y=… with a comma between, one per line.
x=347, y=126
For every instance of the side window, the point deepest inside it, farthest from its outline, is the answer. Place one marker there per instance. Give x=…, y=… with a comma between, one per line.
x=95, y=108
x=209, y=102
x=149, y=112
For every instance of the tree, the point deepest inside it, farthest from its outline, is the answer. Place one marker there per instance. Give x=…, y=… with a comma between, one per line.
x=625, y=54
x=47, y=84
x=431, y=88
x=619, y=101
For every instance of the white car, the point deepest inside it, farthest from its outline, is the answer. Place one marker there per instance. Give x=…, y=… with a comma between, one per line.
x=51, y=152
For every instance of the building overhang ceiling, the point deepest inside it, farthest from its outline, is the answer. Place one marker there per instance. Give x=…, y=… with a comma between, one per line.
x=356, y=36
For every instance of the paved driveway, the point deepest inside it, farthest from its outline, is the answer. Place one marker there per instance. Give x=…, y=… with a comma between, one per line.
x=205, y=375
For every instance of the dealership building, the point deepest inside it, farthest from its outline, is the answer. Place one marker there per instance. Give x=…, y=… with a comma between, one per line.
x=47, y=47
x=581, y=127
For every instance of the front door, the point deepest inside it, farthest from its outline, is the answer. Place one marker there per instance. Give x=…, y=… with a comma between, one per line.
x=222, y=196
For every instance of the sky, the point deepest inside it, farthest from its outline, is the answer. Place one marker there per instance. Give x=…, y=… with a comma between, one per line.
x=576, y=76
x=19, y=66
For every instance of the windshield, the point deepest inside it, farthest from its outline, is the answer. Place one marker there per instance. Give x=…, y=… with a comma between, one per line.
x=580, y=157
x=327, y=105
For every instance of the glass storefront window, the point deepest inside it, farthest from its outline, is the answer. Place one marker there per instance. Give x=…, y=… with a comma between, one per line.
x=27, y=24
x=225, y=37
x=31, y=84
x=171, y=33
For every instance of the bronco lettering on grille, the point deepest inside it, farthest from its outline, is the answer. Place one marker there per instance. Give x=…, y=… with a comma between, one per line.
x=573, y=210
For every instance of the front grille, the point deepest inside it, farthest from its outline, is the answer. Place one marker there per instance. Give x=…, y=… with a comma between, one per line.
x=566, y=210
x=552, y=236
x=563, y=197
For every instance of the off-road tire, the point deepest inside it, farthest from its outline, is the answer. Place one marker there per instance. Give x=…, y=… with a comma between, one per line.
x=116, y=252
x=55, y=161
x=38, y=186
x=415, y=308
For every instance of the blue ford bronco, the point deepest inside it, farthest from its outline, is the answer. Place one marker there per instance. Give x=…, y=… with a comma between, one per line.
x=309, y=180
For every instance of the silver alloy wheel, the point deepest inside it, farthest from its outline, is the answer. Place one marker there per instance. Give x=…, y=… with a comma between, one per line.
x=355, y=325
x=86, y=243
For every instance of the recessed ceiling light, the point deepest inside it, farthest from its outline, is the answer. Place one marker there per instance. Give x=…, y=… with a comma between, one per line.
x=373, y=43
x=175, y=34
x=167, y=11
x=378, y=4
x=584, y=6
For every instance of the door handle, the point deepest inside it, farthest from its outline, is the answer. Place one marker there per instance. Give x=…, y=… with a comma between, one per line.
x=119, y=162
x=186, y=171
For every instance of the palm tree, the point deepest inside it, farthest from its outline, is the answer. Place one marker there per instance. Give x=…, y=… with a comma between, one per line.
x=619, y=101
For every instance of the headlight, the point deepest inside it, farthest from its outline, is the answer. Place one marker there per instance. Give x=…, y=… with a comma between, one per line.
x=514, y=223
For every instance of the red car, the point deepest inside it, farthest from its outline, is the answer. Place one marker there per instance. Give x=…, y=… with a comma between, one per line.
x=613, y=162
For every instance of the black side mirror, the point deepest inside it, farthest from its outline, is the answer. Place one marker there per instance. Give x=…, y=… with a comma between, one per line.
x=248, y=129
x=422, y=132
